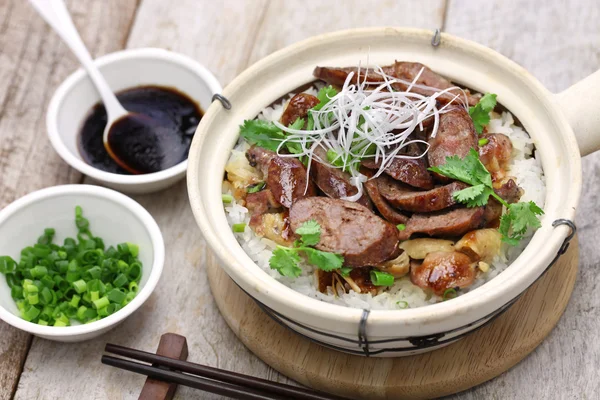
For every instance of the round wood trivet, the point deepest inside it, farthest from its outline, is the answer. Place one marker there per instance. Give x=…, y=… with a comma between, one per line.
x=477, y=358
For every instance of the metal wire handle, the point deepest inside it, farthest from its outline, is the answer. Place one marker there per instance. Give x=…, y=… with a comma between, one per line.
x=567, y=241
x=224, y=101
x=437, y=38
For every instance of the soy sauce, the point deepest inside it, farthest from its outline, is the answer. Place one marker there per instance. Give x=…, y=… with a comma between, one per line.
x=177, y=114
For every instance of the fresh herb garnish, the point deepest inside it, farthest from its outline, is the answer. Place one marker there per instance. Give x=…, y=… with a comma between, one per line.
x=402, y=304
x=449, y=294
x=286, y=259
x=379, y=278
x=480, y=113
x=401, y=227
x=325, y=95
x=483, y=142
x=255, y=188
x=262, y=133
x=226, y=198
x=345, y=271
x=239, y=228
x=519, y=216
x=80, y=280
x=310, y=233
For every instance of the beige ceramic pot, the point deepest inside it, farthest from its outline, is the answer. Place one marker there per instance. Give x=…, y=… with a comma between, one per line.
x=550, y=120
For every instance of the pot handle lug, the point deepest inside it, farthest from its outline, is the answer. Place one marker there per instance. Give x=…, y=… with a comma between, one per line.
x=579, y=103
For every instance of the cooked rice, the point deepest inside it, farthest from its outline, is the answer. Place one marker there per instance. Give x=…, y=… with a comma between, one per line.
x=524, y=167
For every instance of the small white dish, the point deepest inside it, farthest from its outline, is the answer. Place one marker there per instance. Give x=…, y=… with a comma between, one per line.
x=126, y=69
x=113, y=216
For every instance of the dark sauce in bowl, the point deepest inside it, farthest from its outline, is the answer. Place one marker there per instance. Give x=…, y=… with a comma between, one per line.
x=177, y=114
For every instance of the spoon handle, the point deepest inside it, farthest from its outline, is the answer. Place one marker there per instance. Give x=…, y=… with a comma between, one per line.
x=57, y=16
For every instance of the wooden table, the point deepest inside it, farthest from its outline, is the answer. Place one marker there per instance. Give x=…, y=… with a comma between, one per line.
x=559, y=42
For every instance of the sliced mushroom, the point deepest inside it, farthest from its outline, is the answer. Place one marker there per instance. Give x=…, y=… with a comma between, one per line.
x=419, y=248
x=398, y=267
x=441, y=271
x=481, y=244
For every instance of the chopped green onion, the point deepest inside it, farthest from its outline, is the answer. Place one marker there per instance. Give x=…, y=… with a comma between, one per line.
x=53, y=284
x=257, y=187
x=80, y=286
x=135, y=271
x=133, y=286
x=31, y=313
x=116, y=296
x=238, y=228
x=401, y=227
x=46, y=295
x=449, y=294
x=16, y=292
x=379, y=278
x=120, y=280
x=483, y=142
x=402, y=304
x=226, y=198
x=345, y=271
x=103, y=312
x=75, y=301
x=100, y=303
x=134, y=249
x=7, y=264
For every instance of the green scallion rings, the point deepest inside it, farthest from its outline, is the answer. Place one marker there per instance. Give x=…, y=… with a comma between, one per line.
x=449, y=294
x=79, y=281
x=379, y=278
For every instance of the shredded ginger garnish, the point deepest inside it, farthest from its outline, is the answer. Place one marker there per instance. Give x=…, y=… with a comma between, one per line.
x=366, y=121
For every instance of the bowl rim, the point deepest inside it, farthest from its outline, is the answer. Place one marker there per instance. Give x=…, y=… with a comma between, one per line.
x=66, y=87
x=327, y=315
x=130, y=205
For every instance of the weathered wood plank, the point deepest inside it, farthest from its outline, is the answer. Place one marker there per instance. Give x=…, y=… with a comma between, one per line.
x=225, y=37
x=558, y=42
x=33, y=62
x=287, y=22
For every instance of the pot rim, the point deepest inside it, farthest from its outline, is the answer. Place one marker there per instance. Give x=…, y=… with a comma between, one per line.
x=327, y=315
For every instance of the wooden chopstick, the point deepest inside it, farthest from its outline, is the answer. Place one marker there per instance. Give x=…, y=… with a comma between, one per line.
x=208, y=385
x=240, y=380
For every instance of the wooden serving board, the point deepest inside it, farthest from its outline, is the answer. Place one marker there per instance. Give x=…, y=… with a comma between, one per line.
x=477, y=358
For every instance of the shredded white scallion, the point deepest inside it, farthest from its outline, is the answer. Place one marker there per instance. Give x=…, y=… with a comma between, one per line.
x=369, y=120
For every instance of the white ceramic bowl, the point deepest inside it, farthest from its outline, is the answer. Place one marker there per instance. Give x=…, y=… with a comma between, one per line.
x=402, y=332
x=125, y=69
x=113, y=216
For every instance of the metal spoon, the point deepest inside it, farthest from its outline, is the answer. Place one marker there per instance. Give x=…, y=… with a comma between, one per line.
x=134, y=137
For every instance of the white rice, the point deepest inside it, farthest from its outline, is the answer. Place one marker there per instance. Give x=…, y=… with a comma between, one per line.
x=524, y=168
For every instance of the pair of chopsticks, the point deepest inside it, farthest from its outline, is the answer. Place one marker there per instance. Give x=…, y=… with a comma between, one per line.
x=209, y=379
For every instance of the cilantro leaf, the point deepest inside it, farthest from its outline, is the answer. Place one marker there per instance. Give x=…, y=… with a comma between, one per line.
x=262, y=133
x=474, y=196
x=469, y=169
x=480, y=113
x=525, y=215
x=323, y=260
x=285, y=261
x=520, y=216
x=325, y=95
x=310, y=232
